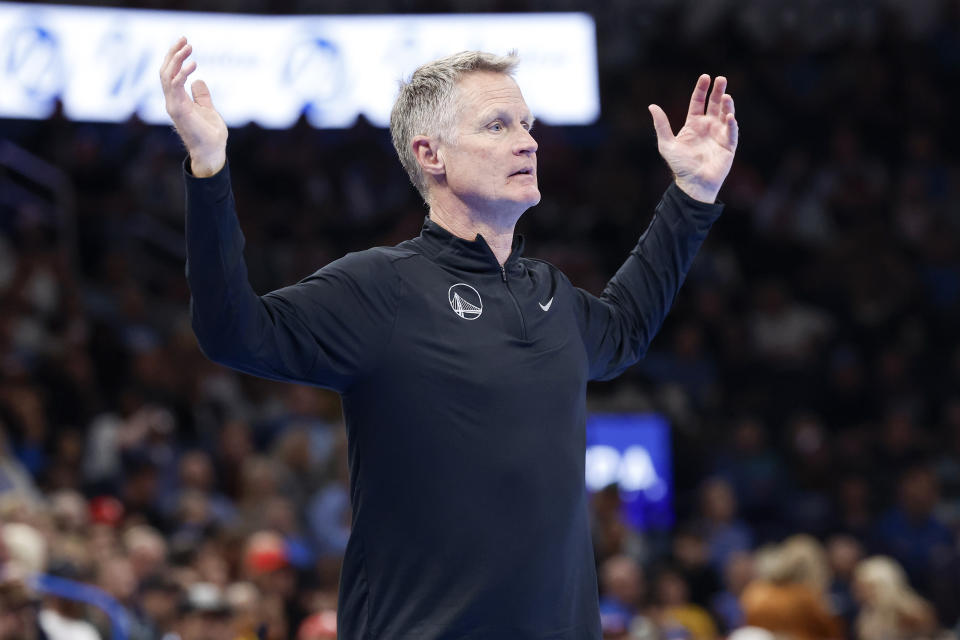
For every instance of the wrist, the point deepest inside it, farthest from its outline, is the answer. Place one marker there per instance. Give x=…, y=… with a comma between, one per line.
x=206, y=166
x=697, y=191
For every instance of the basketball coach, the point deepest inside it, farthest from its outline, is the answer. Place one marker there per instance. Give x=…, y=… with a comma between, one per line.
x=462, y=365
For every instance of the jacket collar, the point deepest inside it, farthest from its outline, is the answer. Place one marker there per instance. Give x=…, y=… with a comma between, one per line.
x=474, y=256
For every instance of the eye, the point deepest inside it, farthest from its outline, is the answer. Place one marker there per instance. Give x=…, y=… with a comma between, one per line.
x=496, y=126
x=527, y=126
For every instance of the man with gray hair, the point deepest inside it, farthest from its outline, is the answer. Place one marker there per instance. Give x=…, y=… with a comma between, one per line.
x=461, y=364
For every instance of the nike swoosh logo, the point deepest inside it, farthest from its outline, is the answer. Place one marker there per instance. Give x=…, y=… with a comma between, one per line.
x=546, y=307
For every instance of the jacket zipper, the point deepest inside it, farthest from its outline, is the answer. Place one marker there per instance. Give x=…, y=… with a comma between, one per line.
x=523, y=325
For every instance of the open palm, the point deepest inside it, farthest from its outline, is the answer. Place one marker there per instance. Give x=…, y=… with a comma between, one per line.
x=203, y=131
x=701, y=154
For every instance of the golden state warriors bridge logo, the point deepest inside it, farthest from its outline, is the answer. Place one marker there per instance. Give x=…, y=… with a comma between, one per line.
x=465, y=301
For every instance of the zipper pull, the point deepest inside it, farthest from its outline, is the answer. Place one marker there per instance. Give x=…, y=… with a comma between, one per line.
x=503, y=272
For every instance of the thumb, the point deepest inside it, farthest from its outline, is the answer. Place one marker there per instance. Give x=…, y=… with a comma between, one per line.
x=661, y=123
x=201, y=94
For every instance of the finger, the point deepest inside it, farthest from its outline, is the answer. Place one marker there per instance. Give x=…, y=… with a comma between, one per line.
x=661, y=123
x=201, y=94
x=178, y=59
x=716, y=96
x=181, y=78
x=175, y=57
x=733, y=130
x=699, y=97
x=728, y=105
x=176, y=47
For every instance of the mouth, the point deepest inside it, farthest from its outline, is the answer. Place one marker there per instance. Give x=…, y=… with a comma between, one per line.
x=528, y=171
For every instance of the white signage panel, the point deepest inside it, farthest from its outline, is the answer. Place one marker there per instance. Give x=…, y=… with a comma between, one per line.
x=103, y=63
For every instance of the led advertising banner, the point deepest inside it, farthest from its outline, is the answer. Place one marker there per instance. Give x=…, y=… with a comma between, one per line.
x=103, y=64
x=632, y=451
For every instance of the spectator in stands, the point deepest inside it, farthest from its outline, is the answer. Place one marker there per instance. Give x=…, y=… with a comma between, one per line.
x=725, y=604
x=755, y=470
x=786, y=333
x=195, y=473
x=25, y=405
x=844, y=553
x=612, y=534
x=328, y=512
x=146, y=550
x=14, y=477
x=812, y=456
x=854, y=505
x=23, y=547
x=789, y=595
x=725, y=533
x=947, y=464
x=673, y=611
x=910, y=532
x=205, y=614
x=890, y=609
x=63, y=618
x=18, y=610
x=157, y=605
x=263, y=478
x=116, y=577
x=685, y=364
x=266, y=564
x=243, y=598
x=319, y=626
x=622, y=594
x=234, y=448
x=691, y=557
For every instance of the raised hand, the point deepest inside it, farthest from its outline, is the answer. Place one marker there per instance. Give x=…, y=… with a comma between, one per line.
x=700, y=155
x=201, y=128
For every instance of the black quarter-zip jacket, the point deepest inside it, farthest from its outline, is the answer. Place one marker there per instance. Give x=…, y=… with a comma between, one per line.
x=464, y=395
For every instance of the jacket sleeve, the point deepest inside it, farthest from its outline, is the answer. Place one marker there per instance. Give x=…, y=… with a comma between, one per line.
x=618, y=326
x=326, y=330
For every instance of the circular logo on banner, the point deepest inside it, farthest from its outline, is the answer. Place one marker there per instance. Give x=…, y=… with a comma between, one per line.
x=465, y=301
x=315, y=69
x=123, y=64
x=32, y=58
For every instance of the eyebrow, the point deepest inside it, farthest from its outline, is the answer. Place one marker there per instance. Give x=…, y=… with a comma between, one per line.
x=529, y=118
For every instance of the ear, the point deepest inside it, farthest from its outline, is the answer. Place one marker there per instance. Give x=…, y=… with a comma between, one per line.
x=427, y=152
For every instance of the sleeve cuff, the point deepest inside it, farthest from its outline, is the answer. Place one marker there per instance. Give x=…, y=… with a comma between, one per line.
x=216, y=187
x=696, y=207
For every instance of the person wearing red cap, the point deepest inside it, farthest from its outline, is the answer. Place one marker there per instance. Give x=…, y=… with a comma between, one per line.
x=265, y=552
x=319, y=626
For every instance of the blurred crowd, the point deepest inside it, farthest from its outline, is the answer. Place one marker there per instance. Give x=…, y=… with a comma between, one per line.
x=810, y=367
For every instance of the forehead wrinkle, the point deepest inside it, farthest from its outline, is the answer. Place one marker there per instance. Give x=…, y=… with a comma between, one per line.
x=488, y=96
x=507, y=109
x=491, y=102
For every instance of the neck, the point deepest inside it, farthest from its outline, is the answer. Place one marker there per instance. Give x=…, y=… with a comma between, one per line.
x=464, y=222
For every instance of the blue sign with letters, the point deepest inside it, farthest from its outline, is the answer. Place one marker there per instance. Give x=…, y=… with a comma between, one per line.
x=632, y=451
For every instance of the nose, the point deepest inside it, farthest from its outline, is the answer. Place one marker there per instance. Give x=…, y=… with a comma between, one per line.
x=525, y=143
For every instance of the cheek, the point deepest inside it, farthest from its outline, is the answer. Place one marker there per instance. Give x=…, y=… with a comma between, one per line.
x=479, y=167
x=483, y=160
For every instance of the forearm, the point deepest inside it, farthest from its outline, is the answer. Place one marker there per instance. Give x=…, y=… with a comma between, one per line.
x=232, y=324
x=644, y=288
x=215, y=270
x=652, y=275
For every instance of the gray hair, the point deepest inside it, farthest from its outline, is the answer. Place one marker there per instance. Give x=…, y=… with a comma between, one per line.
x=426, y=104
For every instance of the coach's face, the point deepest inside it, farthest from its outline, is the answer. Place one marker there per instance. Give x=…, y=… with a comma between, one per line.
x=491, y=163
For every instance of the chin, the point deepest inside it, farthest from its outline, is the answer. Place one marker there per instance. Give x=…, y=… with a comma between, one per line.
x=531, y=197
